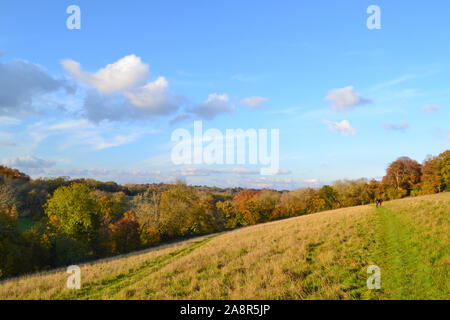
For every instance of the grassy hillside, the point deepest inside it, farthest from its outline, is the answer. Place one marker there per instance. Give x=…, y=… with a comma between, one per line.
x=320, y=256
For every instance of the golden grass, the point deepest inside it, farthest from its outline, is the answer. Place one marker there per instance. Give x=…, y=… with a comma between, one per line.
x=51, y=285
x=319, y=256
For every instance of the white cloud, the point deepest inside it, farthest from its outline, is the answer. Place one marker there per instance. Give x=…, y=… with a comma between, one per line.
x=154, y=97
x=345, y=98
x=214, y=105
x=21, y=83
x=134, y=99
x=81, y=132
x=100, y=143
x=71, y=125
x=283, y=172
x=194, y=172
x=311, y=181
x=253, y=102
x=343, y=127
x=244, y=171
x=28, y=162
x=430, y=108
x=268, y=182
x=123, y=74
x=401, y=126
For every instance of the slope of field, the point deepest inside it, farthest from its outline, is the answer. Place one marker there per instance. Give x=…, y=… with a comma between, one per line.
x=319, y=256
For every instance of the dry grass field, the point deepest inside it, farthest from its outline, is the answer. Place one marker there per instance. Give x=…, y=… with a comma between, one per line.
x=319, y=256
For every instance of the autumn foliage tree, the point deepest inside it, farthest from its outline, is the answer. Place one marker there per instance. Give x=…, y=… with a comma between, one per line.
x=185, y=210
x=125, y=234
x=9, y=173
x=146, y=208
x=402, y=175
x=436, y=173
x=245, y=205
x=232, y=216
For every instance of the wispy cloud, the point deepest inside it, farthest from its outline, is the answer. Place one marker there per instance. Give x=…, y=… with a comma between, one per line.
x=345, y=98
x=401, y=126
x=343, y=127
x=81, y=132
x=430, y=108
x=213, y=106
x=28, y=162
x=393, y=82
x=312, y=181
x=253, y=102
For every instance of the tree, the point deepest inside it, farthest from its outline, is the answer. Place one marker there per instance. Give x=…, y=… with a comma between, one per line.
x=74, y=212
x=244, y=204
x=146, y=208
x=375, y=189
x=9, y=173
x=431, y=176
x=444, y=165
x=233, y=217
x=15, y=252
x=125, y=234
x=185, y=210
x=8, y=197
x=353, y=192
x=330, y=196
x=119, y=204
x=263, y=205
x=106, y=208
x=404, y=173
x=296, y=203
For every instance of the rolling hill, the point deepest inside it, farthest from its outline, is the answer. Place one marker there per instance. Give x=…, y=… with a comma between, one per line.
x=318, y=256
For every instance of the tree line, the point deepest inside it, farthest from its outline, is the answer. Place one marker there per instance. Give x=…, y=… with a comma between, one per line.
x=80, y=220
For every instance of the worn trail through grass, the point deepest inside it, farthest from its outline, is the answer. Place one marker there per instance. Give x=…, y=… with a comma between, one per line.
x=110, y=287
x=404, y=273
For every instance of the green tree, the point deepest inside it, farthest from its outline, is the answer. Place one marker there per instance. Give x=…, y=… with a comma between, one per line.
x=330, y=196
x=74, y=212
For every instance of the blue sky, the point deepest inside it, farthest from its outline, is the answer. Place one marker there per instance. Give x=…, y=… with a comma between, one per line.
x=347, y=100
